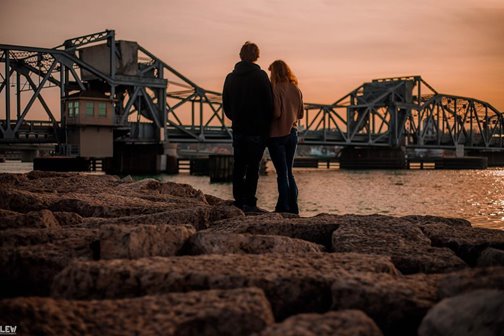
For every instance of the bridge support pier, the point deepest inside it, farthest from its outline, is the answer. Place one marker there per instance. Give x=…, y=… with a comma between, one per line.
x=495, y=159
x=142, y=158
x=29, y=155
x=372, y=158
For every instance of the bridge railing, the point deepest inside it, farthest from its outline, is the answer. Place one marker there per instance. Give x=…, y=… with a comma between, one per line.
x=399, y=111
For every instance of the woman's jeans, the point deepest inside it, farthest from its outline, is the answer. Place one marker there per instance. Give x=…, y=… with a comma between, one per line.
x=282, y=150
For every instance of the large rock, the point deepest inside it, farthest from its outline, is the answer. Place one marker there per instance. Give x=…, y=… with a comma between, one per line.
x=396, y=303
x=293, y=283
x=219, y=312
x=197, y=216
x=31, y=258
x=33, y=219
x=66, y=219
x=491, y=257
x=471, y=279
x=77, y=239
x=21, y=200
x=341, y=323
x=63, y=183
x=424, y=220
x=479, y=312
x=108, y=204
x=30, y=270
x=137, y=241
x=314, y=229
x=220, y=243
x=409, y=248
x=150, y=186
x=466, y=242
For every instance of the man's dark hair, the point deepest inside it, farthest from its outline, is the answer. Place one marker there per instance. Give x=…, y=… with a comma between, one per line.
x=249, y=52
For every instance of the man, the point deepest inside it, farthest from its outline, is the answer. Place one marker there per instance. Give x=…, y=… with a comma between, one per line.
x=248, y=101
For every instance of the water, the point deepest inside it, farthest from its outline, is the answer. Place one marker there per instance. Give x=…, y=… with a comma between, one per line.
x=477, y=195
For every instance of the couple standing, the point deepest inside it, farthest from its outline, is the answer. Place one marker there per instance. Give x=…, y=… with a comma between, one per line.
x=264, y=114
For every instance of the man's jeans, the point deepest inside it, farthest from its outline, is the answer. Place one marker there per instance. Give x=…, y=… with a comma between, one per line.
x=282, y=151
x=248, y=152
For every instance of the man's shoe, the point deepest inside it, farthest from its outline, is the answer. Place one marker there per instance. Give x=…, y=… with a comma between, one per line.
x=252, y=210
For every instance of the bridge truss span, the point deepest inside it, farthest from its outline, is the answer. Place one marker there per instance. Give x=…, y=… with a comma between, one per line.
x=404, y=111
x=153, y=102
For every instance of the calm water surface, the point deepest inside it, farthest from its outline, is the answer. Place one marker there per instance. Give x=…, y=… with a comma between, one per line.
x=477, y=195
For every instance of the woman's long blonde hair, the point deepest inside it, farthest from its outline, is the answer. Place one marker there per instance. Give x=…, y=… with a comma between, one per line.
x=280, y=72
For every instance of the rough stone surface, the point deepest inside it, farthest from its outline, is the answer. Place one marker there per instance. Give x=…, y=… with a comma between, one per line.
x=34, y=219
x=471, y=279
x=68, y=218
x=7, y=213
x=475, y=313
x=466, y=242
x=396, y=303
x=341, y=323
x=409, y=248
x=49, y=230
x=292, y=283
x=137, y=241
x=217, y=312
x=77, y=239
x=220, y=243
x=316, y=229
x=30, y=270
x=423, y=220
x=491, y=257
x=198, y=216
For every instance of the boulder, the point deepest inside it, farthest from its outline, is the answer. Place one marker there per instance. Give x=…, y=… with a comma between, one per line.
x=198, y=216
x=68, y=218
x=423, y=220
x=21, y=200
x=479, y=312
x=396, y=303
x=491, y=257
x=224, y=211
x=205, y=242
x=34, y=219
x=409, y=248
x=137, y=241
x=30, y=258
x=217, y=312
x=214, y=200
x=77, y=239
x=50, y=182
x=30, y=270
x=341, y=323
x=7, y=213
x=107, y=204
x=149, y=186
x=466, y=242
x=11, y=179
x=469, y=280
x=314, y=229
x=292, y=283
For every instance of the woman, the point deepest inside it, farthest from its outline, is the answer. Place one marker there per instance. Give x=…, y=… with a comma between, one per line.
x=288, y=109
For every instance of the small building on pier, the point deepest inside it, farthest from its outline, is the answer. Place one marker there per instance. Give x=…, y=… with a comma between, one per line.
x=90, y=122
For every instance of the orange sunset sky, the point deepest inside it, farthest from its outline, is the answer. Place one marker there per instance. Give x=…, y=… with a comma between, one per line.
x=332, y=46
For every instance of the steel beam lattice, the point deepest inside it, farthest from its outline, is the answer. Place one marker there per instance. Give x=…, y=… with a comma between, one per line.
x=158, y=103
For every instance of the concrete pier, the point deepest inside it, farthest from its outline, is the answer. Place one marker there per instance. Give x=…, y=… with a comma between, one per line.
x=372, y=158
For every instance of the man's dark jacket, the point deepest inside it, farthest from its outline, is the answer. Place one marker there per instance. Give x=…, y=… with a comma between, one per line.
x=247, y=99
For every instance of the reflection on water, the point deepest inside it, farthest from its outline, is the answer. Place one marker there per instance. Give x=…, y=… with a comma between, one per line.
x=477, y=195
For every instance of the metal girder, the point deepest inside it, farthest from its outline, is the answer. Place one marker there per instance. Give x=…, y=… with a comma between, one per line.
x=386, y=112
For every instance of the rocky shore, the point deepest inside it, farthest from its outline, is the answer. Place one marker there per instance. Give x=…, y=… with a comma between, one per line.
x=86, y=254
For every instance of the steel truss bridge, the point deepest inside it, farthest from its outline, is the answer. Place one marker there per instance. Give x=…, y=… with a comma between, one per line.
x=155, y=102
